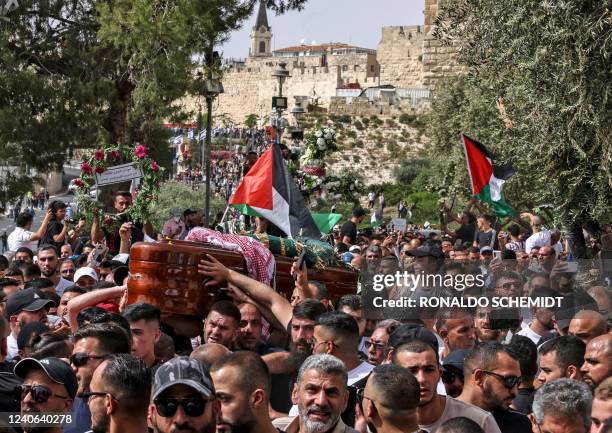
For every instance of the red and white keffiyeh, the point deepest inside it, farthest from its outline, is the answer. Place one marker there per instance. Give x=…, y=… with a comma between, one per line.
x=259, y=260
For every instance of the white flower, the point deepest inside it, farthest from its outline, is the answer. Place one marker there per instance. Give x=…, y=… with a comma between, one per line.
x=318, y=134
x=328, y=136
x=320, y=141
x=322, y=147
x=332, y=131
x=338, y=196
x=352, y=187
x=326, y=131
x=315, y=163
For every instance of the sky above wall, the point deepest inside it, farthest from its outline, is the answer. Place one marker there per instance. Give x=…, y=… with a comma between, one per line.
x=355, y=22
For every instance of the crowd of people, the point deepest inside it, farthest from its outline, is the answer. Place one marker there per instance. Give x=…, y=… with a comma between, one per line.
x=71, y=343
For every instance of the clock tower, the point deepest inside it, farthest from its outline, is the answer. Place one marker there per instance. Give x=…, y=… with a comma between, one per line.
x=261, y=34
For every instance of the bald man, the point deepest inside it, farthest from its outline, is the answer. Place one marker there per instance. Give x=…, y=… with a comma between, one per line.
x=587, y=324
x=602, y=296
x=209, y=353
x=597, y=361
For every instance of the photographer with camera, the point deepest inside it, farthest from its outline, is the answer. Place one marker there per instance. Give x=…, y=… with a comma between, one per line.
x=59, y=228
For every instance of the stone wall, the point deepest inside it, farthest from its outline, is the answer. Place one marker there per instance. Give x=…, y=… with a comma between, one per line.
x=362, y=107
x=399, y=54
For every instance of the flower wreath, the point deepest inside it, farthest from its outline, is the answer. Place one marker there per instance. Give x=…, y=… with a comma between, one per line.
x=110, y=156
x=346, y=186
x=318, y=144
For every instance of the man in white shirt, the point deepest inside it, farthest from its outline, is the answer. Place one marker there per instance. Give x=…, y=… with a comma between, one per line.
x=22, y=308
x=22, y=236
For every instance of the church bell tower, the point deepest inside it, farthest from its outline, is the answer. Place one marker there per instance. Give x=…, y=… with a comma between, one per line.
x=261, y=34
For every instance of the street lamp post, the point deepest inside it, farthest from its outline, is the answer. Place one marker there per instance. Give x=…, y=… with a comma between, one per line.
x=279, y=103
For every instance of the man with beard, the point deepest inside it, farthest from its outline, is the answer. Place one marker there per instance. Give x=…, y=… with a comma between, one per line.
x=183, y=398
x=22, y=308
x=249, y=336
x=492, y=374
x=421, y=359
x=321, y=395
x=242, y=384
x=48, y=261
x=587, y=324
x=378, y=343
x=597, y=361
x=119, y=395
x=561, y=357
x=49, y=385
x=542, y=323
x=482, y=324
x=390, y=399
x=92, y=345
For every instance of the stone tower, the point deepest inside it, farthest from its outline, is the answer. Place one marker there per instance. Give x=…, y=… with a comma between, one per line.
x=261, y=35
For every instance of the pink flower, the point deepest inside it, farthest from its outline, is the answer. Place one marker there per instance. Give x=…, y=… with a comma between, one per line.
x=141, y=151
x=154, y=166
x=86, y=168
x=114, y=155
x=79, y=183
x=99, y=154
x=108, y=221
x=99, y=170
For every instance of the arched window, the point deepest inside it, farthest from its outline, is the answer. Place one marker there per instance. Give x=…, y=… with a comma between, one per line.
x=262, y=47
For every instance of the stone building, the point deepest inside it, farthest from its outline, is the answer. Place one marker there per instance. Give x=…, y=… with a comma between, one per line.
x=407, y=57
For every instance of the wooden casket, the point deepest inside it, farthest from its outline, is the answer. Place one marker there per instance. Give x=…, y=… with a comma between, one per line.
x=165, y=274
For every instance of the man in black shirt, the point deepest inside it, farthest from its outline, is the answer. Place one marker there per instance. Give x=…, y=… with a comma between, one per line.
x=348, y=233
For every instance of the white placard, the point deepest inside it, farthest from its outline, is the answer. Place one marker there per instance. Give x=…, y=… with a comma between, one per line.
x=118, y=174
x=399, y=224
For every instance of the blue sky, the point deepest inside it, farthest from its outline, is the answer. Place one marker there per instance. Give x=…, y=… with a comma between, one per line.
x=357, y=22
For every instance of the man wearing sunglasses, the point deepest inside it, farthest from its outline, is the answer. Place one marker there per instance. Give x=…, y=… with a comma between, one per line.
x=183, y=398
x=49, y=385
x=492, y=374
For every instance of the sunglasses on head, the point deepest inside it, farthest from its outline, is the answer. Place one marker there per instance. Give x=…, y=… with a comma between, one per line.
x=193, y=406
x=79, y=359
x=40, y=393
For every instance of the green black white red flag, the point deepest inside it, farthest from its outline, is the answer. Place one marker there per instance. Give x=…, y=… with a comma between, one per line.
x=268, y=190
x=486, y=178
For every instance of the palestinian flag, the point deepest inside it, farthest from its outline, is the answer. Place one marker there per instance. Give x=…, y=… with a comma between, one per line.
x=268, y=190
x=487, y=179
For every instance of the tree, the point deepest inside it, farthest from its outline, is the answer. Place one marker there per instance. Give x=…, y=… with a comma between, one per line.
x=537, y=91
x=78, y=73
x=250, y=121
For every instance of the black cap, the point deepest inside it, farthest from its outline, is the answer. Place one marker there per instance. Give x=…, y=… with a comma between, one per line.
x=27, y=330
x=456, y=358
x=410, y=332
x=57, y=370
x=26, y=300
x=186, y=371
x=426, y=250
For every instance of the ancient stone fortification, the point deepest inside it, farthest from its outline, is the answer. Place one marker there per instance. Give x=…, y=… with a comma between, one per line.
x=406, y=57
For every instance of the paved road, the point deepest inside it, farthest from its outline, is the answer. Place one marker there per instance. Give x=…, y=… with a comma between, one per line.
x=6, y=223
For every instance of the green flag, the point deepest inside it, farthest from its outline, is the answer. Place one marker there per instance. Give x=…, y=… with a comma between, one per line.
x=326, y=221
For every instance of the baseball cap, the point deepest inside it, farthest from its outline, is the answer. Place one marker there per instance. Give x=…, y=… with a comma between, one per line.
x=26, y=300
x=410, y=332
x=183, y=370
x=486, y=250
x=355, y=249
x=456, y=358
x=425, y=250
x=57, y=370
x=85, y=271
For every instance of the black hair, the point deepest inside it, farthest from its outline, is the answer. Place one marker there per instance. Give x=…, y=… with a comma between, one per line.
x=226, y=308
x=341, y=247
x=4, y=263
x=25, y=250
x=111, y=338
x=351, y=301
x=474, y=250
x=527, y=353
x=104, y=285
x=339, y=323
x=46, y=247
x=39, y=283
x=511, y=275
x=128, y=379
x=8, y=282
x=514, y=229
x=508, y=255
x=485, y=356
x=56, y=205
x=460, y=424
x=119, y=320
x=322, y=290
x=487, y=218
x=143, y=311
x=52, y=296
x=397, y=387
x=50, y=344
x=415, y=346
x=89, y=314
x=122, y=194
x=569, y=350
x=75, y=289
x=14, y=270
x=23, y=219
x=30, y=270
x=309, y=309
x=252, y=372
x=81, y=261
